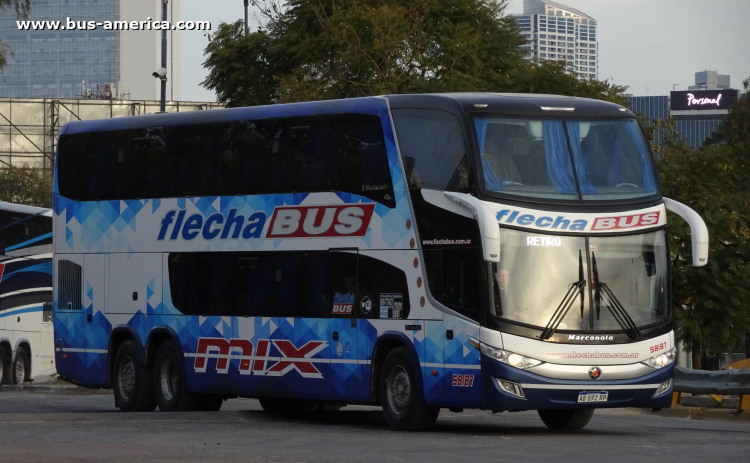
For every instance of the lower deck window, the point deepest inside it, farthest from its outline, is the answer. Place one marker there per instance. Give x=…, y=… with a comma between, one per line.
x=314, y=284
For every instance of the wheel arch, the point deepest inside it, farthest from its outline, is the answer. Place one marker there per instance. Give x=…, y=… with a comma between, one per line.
x=120, y=335
x=385, y=343
x=156, y=337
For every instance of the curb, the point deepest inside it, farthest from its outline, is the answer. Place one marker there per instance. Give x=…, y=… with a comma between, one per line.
x=57, y=390
x=699, y=413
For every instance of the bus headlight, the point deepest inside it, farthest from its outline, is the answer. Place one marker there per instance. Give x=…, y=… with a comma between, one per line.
x=509, y=358
x=661, y=360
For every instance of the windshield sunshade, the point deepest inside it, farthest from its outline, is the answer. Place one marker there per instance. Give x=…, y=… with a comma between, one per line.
x=565, y=159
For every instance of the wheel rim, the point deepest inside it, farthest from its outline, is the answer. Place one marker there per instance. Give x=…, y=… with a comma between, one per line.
x=126, y=378
x=398, y=389
x=20, y=370
x=168, y=379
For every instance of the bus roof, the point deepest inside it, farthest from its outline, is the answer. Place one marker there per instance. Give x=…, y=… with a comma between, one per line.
x=23, y=209
x=517, y=104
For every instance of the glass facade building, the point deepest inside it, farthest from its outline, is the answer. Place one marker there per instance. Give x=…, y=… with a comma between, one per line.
x=55, y=63
x=694, y=127
x=556, y=32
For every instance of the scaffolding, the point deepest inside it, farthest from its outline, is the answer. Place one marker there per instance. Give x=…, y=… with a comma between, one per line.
x=29, y=127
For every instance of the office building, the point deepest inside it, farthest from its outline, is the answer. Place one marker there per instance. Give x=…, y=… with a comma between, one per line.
x=696, y=112
x=557, y=32
x=89, y=63
x=710, y=80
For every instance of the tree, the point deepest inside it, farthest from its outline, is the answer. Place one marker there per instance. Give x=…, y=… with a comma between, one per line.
x=551, y=77
x=711, y=303
x=325, y=49
x=22, y=8
x=25, y=185
x=735, y=129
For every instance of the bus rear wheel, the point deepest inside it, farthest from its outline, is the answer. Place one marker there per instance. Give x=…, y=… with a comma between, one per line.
x=566, y=419
x=401, y=396
x=170, y=387
x=132, y=381
x=21, y=370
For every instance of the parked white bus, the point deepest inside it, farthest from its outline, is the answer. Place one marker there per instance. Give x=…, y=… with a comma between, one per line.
x=417, y=252
x=26, y=331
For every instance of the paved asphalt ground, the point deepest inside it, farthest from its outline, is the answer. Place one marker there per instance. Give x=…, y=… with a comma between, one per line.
x=60, y=428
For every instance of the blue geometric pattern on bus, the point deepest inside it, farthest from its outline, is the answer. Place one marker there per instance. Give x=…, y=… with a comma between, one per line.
x=129, y=225
x=117, y=226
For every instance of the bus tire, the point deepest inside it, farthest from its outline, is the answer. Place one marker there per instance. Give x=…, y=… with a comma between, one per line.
x=170, y=386
x=2, y=366
x=210, y=402
x=401, y=396
x=566, y=419
x=21, y=370
x=132, y=380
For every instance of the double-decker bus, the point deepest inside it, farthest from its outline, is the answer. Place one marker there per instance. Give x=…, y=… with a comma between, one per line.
x=26, y=332
x=417, y=252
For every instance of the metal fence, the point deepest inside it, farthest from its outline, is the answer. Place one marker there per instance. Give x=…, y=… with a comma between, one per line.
x=29, y=127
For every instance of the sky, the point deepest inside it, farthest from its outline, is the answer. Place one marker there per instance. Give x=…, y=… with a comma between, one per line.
x=647, y=45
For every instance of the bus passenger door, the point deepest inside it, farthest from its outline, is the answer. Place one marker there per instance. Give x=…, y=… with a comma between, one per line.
x=462, y=366
x=342, y=337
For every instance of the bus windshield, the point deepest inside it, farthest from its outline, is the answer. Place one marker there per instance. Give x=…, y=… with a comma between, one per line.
x=568, y=159
x=625, y=279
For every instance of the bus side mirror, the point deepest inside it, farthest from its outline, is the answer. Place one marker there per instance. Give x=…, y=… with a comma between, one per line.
x=698, y=230
x=489, y=229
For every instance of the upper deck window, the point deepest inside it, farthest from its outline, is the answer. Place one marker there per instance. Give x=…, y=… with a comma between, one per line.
x=565, y=159
x=345, y=153
x=433, y=150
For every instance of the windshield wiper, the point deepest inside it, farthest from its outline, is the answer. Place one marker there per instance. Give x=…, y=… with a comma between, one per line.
x=575, y=289
x=601, y=290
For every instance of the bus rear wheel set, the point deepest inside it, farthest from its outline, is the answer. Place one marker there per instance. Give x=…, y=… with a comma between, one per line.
x=142, y=387
x=16, y=372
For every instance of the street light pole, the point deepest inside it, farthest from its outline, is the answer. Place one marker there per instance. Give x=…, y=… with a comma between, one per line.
x=247, y=28
x=163, y=106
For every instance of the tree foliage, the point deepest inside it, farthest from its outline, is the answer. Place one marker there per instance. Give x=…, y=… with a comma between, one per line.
x=25, y=185
x=735, y=129
x=326, y=49
x=22, y=8
x=711, y=303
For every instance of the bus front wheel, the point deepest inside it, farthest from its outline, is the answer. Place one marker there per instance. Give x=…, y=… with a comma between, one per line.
x=132, y=381
x=566, y=419
x=401, y=396
x=170, y=387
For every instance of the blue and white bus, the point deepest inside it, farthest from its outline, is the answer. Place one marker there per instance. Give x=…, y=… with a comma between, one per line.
x=417, y=252
x=26, y=332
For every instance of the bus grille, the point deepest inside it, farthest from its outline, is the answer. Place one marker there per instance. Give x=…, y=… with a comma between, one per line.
x=68, y=285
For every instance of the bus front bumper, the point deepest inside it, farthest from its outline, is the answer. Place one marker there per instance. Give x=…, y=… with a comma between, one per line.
x=542, y=393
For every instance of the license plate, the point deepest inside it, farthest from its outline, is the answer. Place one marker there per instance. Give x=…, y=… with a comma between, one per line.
x=589, y=396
